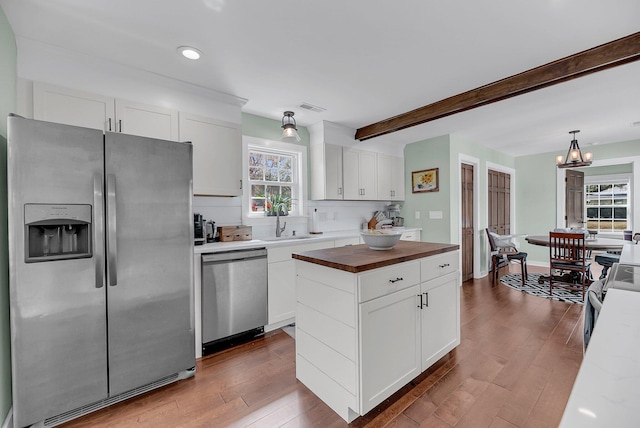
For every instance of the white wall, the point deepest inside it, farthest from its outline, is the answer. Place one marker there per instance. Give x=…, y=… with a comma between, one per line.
x=334, y=215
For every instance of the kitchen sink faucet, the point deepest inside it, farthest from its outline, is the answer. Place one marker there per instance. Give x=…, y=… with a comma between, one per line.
x=278, y=230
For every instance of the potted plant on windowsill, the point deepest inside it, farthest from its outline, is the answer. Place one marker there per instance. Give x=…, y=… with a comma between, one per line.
x=278, y=205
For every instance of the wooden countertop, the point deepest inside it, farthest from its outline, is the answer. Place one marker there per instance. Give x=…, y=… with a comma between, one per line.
x=360, y=258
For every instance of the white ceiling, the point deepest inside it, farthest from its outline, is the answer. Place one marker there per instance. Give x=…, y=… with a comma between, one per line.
x=368, y=60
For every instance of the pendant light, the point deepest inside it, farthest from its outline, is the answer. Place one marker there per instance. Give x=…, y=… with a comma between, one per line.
x=574, y=158
x=290, y=132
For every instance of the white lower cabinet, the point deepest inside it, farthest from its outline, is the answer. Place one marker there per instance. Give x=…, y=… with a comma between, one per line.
x=384, y=370
x=377, y=330
x=281, y=278
x=440, y=299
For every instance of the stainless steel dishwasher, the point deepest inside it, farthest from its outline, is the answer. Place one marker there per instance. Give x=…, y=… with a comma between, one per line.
x=234, y=297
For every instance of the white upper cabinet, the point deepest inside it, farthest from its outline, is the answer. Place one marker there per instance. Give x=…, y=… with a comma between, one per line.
x=397, y=179
x=147, y=121
x=390, y=177
x=326, y=172
x=217, y=155
x=339, y=170
x=359, y=174
x=72, y=107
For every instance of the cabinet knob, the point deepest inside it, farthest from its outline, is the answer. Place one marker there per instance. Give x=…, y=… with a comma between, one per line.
x=395, y=280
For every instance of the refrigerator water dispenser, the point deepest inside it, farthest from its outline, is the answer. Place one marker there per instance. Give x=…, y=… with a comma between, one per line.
x=57, y=232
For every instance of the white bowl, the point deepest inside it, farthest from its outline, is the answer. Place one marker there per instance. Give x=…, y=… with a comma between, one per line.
x=381, y=239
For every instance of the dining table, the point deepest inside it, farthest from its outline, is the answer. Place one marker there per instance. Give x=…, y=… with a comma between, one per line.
x=592, y=244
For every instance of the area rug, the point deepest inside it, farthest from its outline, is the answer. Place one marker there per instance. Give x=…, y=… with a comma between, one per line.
x=514, y=280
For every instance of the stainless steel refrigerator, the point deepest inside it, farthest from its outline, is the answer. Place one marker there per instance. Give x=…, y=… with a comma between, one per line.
x=101, y=267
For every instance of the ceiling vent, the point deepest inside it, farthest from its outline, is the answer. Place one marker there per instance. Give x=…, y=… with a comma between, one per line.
x=311, y=107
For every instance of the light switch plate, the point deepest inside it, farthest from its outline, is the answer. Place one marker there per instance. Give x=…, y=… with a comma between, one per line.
x=417, y=215
x=435, y=214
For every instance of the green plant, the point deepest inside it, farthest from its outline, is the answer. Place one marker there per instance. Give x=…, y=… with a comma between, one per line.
x=277, y=203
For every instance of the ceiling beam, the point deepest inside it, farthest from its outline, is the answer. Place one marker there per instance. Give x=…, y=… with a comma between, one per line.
x=617, y=52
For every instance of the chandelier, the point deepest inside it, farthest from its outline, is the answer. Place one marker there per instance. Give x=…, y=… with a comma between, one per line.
x=574, y=158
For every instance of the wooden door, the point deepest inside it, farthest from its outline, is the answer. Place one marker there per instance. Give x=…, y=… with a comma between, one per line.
x=499, y=184
x=574, y=199
x=467, y=221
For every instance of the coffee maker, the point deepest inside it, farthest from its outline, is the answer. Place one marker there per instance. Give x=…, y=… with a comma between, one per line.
x=393, y=213
x=198, y=229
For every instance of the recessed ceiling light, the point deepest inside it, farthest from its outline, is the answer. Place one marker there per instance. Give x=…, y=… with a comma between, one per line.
x=189, y=52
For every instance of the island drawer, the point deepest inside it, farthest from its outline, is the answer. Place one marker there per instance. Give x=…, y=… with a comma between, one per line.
x=438, y=265
x=386, y=280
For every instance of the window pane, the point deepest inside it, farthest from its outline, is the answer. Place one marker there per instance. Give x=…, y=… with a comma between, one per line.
x=286, y=176
x=606, y=201
x=255, y=173
x=256, y=159
x=619, y=225
x=605, y=212
x=271, y=174
x=620, y=213
x=285, y=162
x=592, y=224
x=271, y=160
x=592, y=212
x=592, y=201
x=273, y=190
x=591, y=188
x=257, y=205
x=606, y=225
x=286, y=191
x=257, y=191
x=618, y=201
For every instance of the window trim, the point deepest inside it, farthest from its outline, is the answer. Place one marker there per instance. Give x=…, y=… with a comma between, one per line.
x=301, y=198
x=609, y=179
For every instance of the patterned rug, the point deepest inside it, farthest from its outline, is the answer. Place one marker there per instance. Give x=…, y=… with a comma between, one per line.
x=514, y=280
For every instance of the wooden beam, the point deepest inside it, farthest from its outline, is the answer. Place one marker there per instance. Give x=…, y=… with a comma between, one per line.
x=608, y=55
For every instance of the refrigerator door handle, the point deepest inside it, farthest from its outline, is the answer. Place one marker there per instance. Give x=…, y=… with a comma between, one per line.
x=111, y=233
x=98, y=229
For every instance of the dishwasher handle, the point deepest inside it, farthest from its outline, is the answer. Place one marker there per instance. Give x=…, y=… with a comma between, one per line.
x=229, y=256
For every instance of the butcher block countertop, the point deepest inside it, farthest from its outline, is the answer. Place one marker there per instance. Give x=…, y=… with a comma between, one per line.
x=360, y=258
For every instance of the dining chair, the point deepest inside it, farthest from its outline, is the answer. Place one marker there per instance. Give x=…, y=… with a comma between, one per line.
x=606, y=260
x=568, y=254
x=504, y=251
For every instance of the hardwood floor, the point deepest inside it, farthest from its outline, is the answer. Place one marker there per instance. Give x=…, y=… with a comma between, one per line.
x=515, y=367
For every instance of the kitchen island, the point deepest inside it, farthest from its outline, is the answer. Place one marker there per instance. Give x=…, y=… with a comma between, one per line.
x=368, y=322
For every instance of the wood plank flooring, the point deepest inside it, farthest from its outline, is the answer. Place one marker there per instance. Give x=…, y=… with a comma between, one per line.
x=515, y=367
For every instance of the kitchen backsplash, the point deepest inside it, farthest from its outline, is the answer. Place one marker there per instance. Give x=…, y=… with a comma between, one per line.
x=332, y=216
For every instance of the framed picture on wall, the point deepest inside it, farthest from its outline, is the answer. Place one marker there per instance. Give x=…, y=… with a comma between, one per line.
x=424, y=181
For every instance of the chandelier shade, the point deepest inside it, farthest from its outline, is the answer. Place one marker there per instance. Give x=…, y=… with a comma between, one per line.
x=574, y=158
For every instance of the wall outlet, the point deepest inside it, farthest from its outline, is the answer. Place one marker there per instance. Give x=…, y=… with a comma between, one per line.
x=417, y=215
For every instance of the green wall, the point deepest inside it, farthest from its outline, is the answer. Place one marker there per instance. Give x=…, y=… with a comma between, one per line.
x=7, y=105
x=536, y=190
x=261, y=127
x=444, y=153
x=428, y=154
